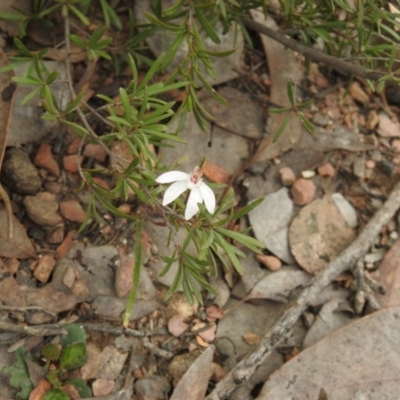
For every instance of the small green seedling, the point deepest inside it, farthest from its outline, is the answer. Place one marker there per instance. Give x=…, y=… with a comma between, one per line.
x=59, y=359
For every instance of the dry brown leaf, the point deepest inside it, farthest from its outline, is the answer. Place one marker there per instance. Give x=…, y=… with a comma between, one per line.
x=283, y=66
x=40, y=390
x=215, y=173
x=360, y=361
x=193, y=384
x=10, y=291
x=318, y=234
x=19, y=246
x=388, y=275
x=249, y=122
x=60, y=54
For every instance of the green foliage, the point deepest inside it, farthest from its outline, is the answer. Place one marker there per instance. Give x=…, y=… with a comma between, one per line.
x=75, y=334
x=141, y=116
x=70, y=355
x=136, y=273
x=73, y=357
x=56, y=394
x=19, y=375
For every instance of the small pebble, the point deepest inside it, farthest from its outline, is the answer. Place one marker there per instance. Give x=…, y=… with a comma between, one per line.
x=44, y=159
x=94, y=150
x=373, y=257
x=376, y=203
x=307, y=174
x=396, y=145
x=271, y=262
x=42, y=209
x=303, y=191
x=70, y=163
x=251, y=338
x=376, y=155
x=370, y=164
x=102, y=387
x=74, y=146
x=44, y=268
x=326, y=170
x=19, y=173
x=288, y=177
x=320, y=120
x=359, y=166
x=346, y=209
x=72, y=211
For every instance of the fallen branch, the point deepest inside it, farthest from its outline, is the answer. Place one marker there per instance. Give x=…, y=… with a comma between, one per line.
x=281, y=329
x=316, y=55
x=32, y=330
x=57, y=328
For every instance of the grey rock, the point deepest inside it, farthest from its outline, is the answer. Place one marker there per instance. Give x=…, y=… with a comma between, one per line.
x=338, y=138
x=109, y=307
x=99, y=256
x=162, y=40
x=320, y=120
x=248, y=123
x=93, y=281
x=19, y=173
x=42, y=209
x=270, y=222
x=221, y=147
x=346, y=209
x=159, y=236
x=26, y=123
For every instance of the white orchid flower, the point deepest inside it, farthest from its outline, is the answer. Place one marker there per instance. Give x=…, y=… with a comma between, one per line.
x=199, y=191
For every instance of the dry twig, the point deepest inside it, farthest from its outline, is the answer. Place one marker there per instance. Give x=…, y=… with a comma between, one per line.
x=316, y=55
x=281, y=329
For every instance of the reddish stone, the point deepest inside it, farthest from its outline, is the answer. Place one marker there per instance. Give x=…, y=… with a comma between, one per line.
x=176, y=325
x=72, y=211
x=74, y=146
x=326, y=170
x=71, y=163
x=44, y=159
x=303, y=191
x=101, y=182
x=93, y=150
x=66, y=245
x=287, y=175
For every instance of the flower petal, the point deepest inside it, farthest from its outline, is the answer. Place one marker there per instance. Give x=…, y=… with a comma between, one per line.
x=173, y=176
x=208, y=197
x=191, y=207
x=174, y=191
